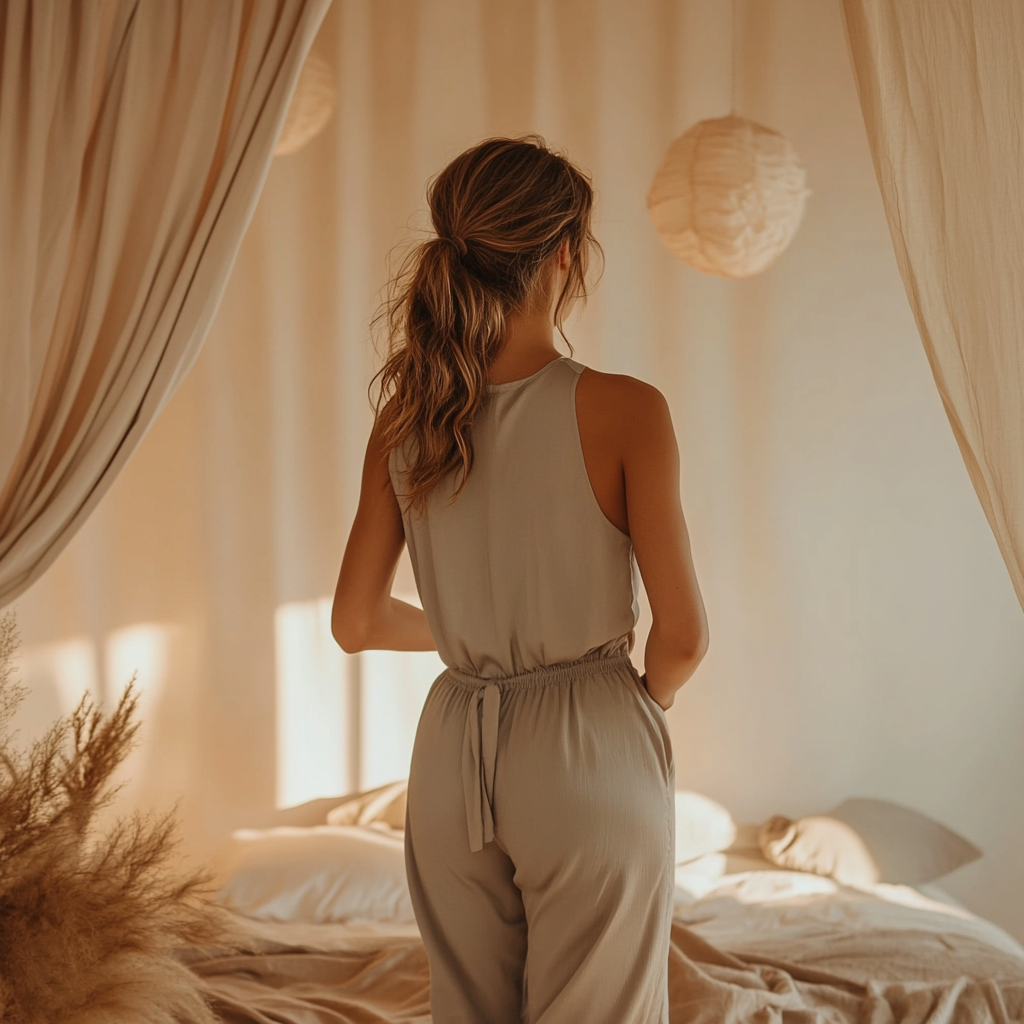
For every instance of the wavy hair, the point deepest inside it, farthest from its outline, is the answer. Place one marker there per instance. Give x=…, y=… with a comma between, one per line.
x=501, y=211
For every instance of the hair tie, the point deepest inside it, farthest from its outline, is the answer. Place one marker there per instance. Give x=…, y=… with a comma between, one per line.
x=455, y=240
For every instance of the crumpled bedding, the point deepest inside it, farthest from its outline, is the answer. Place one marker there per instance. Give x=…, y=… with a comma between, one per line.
x=762, y=948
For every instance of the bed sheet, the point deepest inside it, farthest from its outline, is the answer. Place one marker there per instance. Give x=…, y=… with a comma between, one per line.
x=756, y=946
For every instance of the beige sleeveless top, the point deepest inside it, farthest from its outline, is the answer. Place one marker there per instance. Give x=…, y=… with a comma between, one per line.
x=523, y=569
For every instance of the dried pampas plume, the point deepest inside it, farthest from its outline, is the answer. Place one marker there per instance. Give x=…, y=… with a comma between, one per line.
x=89, y=923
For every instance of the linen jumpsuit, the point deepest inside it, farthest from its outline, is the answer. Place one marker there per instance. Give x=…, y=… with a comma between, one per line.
x=540, y=827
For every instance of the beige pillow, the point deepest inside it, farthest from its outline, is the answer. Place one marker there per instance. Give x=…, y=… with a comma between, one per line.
x=864, y=841
x=384, y=805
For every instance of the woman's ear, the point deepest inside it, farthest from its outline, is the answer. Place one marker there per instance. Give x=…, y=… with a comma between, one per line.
x=564, y=259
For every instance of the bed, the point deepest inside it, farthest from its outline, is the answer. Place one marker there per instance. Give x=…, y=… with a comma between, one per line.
x=750, y=942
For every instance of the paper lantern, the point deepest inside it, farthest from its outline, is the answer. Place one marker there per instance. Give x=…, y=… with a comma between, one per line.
x=728, y=197
x=312, y=106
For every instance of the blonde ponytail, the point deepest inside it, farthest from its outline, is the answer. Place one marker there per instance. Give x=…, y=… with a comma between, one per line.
x=501, y=211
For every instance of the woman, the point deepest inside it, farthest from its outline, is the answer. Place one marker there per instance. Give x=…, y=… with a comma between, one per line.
x=540, y=829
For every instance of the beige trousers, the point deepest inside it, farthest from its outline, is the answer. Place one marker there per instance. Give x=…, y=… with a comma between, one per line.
x=540, y=846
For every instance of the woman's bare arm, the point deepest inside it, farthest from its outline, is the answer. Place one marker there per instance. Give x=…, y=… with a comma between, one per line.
x=365, y=616
x=679, y=634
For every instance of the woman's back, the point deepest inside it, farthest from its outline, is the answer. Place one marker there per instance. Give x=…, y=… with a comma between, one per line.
x=539, y=829
x=523, y=568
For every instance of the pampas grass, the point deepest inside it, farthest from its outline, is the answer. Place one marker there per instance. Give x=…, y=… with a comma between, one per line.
x=89, y=921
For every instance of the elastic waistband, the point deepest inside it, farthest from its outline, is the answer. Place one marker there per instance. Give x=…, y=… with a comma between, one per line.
x=543, y=676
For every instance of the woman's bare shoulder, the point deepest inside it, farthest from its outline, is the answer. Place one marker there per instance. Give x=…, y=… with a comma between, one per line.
x=619, y=397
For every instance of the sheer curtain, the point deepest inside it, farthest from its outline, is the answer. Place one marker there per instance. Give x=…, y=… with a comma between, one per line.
x=941, y=84
x=134, y=141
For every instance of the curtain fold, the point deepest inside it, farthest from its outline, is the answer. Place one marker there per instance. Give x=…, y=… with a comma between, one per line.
x=135, y=137
x=941, y=86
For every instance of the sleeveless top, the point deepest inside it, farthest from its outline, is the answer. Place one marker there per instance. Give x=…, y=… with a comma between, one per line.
x=523, y=569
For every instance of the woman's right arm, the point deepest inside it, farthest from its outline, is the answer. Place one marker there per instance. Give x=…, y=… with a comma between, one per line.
x=679, y=634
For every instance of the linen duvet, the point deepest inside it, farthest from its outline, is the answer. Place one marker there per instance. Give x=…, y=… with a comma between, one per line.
x=756, y=946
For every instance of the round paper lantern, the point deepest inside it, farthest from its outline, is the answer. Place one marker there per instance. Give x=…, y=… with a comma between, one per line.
x=312, y=105
x=728, y=197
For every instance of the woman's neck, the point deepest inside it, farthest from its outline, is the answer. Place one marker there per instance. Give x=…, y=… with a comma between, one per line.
x=529, y=345
x=530, y=333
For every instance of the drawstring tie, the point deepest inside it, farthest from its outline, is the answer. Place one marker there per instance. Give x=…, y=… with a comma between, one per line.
x=479, y=752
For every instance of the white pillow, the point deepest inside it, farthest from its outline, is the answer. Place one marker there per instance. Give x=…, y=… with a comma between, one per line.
x=702, y=826
x=320, y=874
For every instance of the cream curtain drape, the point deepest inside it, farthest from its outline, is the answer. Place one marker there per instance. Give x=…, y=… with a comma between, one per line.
x=941, y=86
x=135, y=136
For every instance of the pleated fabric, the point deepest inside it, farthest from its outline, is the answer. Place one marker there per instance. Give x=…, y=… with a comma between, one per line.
x=134, y=142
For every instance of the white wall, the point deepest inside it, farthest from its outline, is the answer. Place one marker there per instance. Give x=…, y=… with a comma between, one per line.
x=866, y=639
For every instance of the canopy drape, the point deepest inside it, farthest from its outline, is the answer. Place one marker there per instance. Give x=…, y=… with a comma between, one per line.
x=135, y=137
x=941, y=85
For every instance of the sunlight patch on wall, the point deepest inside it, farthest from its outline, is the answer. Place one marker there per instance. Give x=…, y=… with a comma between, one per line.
x=69, y=665
x=314, y=721
x=56, y=676
x=394, y=686
x=143, y=651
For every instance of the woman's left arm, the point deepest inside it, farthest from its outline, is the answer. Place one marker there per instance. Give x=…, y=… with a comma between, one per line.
x=365, y=616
